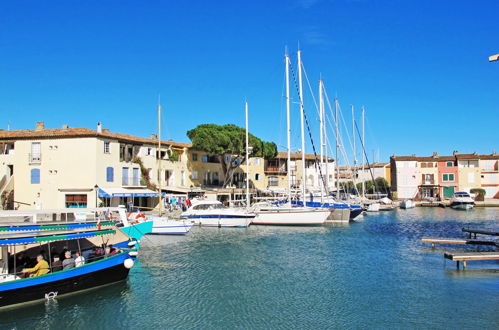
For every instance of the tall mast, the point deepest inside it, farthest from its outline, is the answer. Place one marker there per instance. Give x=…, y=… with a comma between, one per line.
x=321, y=115
x=288, y=129
x=363, y=155
x=337, y=146
x=354, y=171
x=247, y=160
x=159, y=162
x=302, y=120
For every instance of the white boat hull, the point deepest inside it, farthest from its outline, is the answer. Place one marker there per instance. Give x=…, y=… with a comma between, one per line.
x=462, y=206
x=374, y=207
x=407, y=204
x=162, y=226
x=291, y=216
x=222, y=222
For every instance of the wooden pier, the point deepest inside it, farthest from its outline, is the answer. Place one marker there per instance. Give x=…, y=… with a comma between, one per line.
x=468, y=256
x=478, y=231
x=439, y=240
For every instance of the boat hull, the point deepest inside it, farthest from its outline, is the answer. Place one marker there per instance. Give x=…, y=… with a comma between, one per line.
x=136, y=231
x=462, y=206
x=70, y=281
x=407, y=204
x=338, y=215
x=170, y=227
x=240, y=221
x=291, y=217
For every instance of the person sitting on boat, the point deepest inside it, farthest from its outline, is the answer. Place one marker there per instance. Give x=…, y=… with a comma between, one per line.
x=41, y=268
x=56, y=264
x=80, y=260
x=68, y=261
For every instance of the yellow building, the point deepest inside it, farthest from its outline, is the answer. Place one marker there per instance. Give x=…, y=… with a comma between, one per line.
x=468, y=171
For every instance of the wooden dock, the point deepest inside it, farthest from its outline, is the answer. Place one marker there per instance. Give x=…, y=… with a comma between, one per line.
x=478, y=231
x=440, y=240
x=468, y=256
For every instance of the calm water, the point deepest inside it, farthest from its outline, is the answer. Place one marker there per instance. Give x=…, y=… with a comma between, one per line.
x=373, y=273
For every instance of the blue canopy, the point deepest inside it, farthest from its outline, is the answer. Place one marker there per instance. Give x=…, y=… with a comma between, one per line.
x=122, y=192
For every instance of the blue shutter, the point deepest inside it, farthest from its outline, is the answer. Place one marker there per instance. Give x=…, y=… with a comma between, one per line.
x=35, y=175
x=109, y=174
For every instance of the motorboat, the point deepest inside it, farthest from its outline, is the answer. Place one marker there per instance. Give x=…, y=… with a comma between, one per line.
x=462, y=201
x=212, y=213
x=20, y=282
x=407, y=204
x=373, y=207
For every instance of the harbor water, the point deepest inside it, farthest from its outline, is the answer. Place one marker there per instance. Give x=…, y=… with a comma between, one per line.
x=372, y=273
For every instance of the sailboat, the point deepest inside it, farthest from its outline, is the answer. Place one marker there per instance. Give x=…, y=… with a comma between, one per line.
x=163, y=225
x=287, y=214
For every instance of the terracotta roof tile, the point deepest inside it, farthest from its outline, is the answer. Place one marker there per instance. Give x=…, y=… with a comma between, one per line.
x=76, y=132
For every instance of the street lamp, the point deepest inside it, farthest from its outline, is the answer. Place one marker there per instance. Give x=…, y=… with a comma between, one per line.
x=494, y=58
x=96, y=187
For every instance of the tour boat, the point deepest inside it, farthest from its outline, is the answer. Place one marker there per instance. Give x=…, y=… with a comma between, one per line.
x=20, y=243
x=407, y=204
x=462, y=201
x=211, y=213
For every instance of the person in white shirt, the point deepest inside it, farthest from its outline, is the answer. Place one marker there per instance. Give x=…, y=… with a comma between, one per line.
x=80, y=260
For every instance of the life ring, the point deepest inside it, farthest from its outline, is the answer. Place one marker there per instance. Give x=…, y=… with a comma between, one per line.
x=136, y=216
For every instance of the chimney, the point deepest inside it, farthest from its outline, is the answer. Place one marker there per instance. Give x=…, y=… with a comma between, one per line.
x=99, y=128
x=154, y=137
x=40, y=125
x=65, y=126
x=435, y=154
x=454, y=152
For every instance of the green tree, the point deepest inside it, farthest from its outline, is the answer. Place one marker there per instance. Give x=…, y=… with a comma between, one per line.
x=229, y=140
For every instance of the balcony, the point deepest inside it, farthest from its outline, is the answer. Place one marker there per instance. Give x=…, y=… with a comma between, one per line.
x=133, y=181
x=276, y=170
x=34, y=159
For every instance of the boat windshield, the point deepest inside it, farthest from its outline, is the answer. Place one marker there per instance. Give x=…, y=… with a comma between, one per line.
x=208, y=207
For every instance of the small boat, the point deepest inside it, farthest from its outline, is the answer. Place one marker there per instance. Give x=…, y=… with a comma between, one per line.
x=462, y=201
x=339, y=212
x=20, y=243
x=373, y=207
x=407, y=204
x=211, y=213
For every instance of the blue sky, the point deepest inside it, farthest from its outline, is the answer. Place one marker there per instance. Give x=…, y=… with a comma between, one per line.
x=420, y=68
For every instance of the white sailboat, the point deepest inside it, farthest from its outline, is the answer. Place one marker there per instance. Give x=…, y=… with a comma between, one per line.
x=163, y=225
x=288, y=215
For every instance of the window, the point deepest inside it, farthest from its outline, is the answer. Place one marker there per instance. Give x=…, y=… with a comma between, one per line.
x=107, y=147
x=194, y=175
x=450, y=164
x=205, y=158
x=76, y=201
x=257, y=161
x=448, y=177
x=124, y=176
x=194, y=157
x=273, y=181
x=182, y=178
x=148, y=151
x=35, y=176
x=136, y=176
x=36, y=153
x=257, y=176
x=109, y=174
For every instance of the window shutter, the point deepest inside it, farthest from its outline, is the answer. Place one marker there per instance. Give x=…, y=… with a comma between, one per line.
x=35, y=175
x=109, y=174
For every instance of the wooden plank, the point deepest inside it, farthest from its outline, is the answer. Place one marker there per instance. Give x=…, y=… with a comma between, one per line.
x=463, y=256
x=442, y=240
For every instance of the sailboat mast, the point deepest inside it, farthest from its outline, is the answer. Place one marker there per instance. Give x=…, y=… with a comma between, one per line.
x=363, y=156
x=337, y=146
x=159, y=162
x=302, y=120
x=321, y=115
x=288, y=122
x=247, y=160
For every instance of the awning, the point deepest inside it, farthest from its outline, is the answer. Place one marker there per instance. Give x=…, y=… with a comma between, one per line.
x=122, y=192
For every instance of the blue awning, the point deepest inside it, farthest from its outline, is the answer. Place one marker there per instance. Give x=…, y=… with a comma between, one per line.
x=122, y=192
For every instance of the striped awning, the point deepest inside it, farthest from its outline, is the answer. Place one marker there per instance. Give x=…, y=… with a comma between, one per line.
x=40, y=238
x=122, y=192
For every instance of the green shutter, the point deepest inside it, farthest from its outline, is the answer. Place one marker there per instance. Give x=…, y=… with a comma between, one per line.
x=451, y=177
x=446, y=177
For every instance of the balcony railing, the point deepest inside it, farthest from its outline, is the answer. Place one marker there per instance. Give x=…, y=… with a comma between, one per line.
x=35, y=158
x=272, y=169
x=133, y=181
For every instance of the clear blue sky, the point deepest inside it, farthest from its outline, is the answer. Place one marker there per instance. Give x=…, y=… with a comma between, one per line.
x=419, y=67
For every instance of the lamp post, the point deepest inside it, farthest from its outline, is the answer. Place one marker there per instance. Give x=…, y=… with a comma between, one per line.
x=96, y=187
x=494, y=58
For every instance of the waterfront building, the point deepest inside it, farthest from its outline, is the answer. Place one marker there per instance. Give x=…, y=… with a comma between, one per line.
x=489, y=174
x=80, y=167
x=447, y=176
x=468, y=171
x=404, y=177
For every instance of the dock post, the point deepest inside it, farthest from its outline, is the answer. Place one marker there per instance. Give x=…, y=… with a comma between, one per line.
x=464, y=264
x=457, y=264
